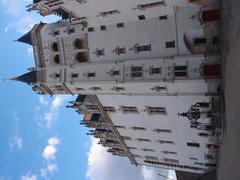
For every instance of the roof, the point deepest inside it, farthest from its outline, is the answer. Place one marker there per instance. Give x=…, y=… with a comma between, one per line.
x=29, y=78
x=26, y=38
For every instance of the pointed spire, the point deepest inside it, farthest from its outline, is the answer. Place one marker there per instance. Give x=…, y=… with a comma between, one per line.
x=29, y=78
x=26, y=38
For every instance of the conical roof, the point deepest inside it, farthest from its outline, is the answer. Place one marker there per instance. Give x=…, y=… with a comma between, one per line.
x=26, y=38
x=29, y=78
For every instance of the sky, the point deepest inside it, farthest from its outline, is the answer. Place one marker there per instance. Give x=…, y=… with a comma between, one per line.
x=39, y=137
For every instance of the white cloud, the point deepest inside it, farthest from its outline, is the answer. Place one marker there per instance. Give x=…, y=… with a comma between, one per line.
x=50, y=150
x=103, y=165
x=49, y=170
x=30, y=53
x=42, y=101
x=50, y=116
x=16, y=143
x=29, y=176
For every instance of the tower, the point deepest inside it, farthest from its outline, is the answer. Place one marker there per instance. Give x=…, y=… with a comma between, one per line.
x=155, y=65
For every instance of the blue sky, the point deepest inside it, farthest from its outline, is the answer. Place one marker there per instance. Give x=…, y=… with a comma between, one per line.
x=39, y=137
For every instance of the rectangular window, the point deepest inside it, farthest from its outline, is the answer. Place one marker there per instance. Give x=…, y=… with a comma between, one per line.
x=70, y=30
x=151, y=158
x=165, y=142
x=174, y=161
x=102, y=28
x=74, y=75
x=169, y=152
x=109, y=109
x=138, y=128
x=100, y=52
x=157, y=130
x=95, y=89
x=148, y=150
x=170, y=44
x=91, y=74
x=141, y=17
x=163, y=17
x=191, y=144
x=115, y=73
x=126, y=138
x=57, y=75
x=215, y=40
x=144, y=48
x=120, y=25
x=156, y=110
x=143, y=7
x=129, y=109
x=155, y=70
x=143, y=140
x=109, y=13
x=200, y=41
x=120, y=51
x=180, y=71
x=136, y=71
x=91, y=29
x=120, y=127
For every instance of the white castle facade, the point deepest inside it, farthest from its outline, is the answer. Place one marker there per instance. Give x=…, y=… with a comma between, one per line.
x=147, y=73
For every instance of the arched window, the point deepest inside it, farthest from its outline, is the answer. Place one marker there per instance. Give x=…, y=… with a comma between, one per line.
x=57, y=59
x=55, y=47
x=79, y=44
x=81, y=57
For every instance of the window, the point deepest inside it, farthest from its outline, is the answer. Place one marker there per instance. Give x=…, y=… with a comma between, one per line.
x=203, y=134
x=155, y=70
x=129, y=109
x=150, y=5
x=91, y=74
x=148, y=150
x=170, y=44
x=81, y=57
x=115, y=73
x=151, y=158
x=157, y=130
x=193, y=158
x=95, y=89
x=120, y=51
x=120, y=127
x=138, y=128
x=168, y=152
x=108, y=13
x=80, y=89
x=57, y=59
x=55, y=47
x=165, y=142
x=120, y=25
x=70, y=30
x=56, y=32
x=59, y=88
x=118, y=89
x=141, y=17
x=57, y=75
x=91, y=29
x=163, y=17
x=156, y=110
x=79, y=44
x=109, y=109
x=100, y=52
x=215, y=40
x=103, y=28
x=180, y=71
x=198, y=41
x=144, y=48
x=126, y=138
x=137, y=156
x=159, y=88
x=168, y=160
x=136, y=71
x=133, y=148
x=74, y=75
x=192, y=144
x=143, y=140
